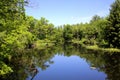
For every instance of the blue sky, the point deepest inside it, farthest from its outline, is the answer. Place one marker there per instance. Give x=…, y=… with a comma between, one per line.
x=61, y=12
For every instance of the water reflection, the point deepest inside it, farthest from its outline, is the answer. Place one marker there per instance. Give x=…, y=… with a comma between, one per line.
x=65, y=62
x=112, y=66
x=69, y=68
x=32, y=71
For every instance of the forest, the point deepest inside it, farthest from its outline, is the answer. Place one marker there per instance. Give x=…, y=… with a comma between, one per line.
x=20, y=32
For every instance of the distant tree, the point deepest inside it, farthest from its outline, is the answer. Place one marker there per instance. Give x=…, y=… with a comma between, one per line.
x=95, y=18
x=67, y=33
x=43, y=29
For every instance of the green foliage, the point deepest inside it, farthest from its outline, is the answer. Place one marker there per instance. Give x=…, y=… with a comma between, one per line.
x=100, y=26
x=43, y=29
x=113, y=26
x=77, y=31
x=90, y=33
x=58, y=35
x=67, y=33
x=95, y=18
x=14, y=35
x=4, y=69
x=19, y=32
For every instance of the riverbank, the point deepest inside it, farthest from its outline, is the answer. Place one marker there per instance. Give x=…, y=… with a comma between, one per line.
x=42, y=44
x=96, y=47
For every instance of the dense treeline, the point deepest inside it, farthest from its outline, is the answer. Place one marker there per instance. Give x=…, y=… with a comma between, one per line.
x=13, y=31
x=19, y=32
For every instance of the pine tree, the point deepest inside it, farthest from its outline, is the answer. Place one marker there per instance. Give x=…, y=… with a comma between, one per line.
x=113, y=26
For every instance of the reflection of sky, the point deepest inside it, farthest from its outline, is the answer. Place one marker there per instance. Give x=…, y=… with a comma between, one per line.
x=69, y=68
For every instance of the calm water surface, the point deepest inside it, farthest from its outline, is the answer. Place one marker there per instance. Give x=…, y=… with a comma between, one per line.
x=66, y=62
x=69, y=68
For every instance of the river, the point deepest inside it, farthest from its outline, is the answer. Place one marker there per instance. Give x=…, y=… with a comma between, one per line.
x=65, y=62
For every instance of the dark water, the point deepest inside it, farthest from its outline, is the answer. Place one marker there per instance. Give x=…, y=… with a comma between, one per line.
x=68, y=62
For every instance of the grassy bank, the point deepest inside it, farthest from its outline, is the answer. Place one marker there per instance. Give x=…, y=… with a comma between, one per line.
x=95, y=47
x=42, y=44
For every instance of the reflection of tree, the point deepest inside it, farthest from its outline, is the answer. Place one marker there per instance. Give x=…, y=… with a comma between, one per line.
x=31, y=69
x=112, y=66
x=27, y=63
x=106, y=62
x=102, y=61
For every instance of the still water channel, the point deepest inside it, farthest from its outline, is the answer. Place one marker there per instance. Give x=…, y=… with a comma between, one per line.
x=66, y=62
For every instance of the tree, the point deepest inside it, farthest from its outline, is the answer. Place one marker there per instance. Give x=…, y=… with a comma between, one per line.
x=13, y=30
x=113, y=25
x=95, y=18
x=67, y=33
x=43, y=29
